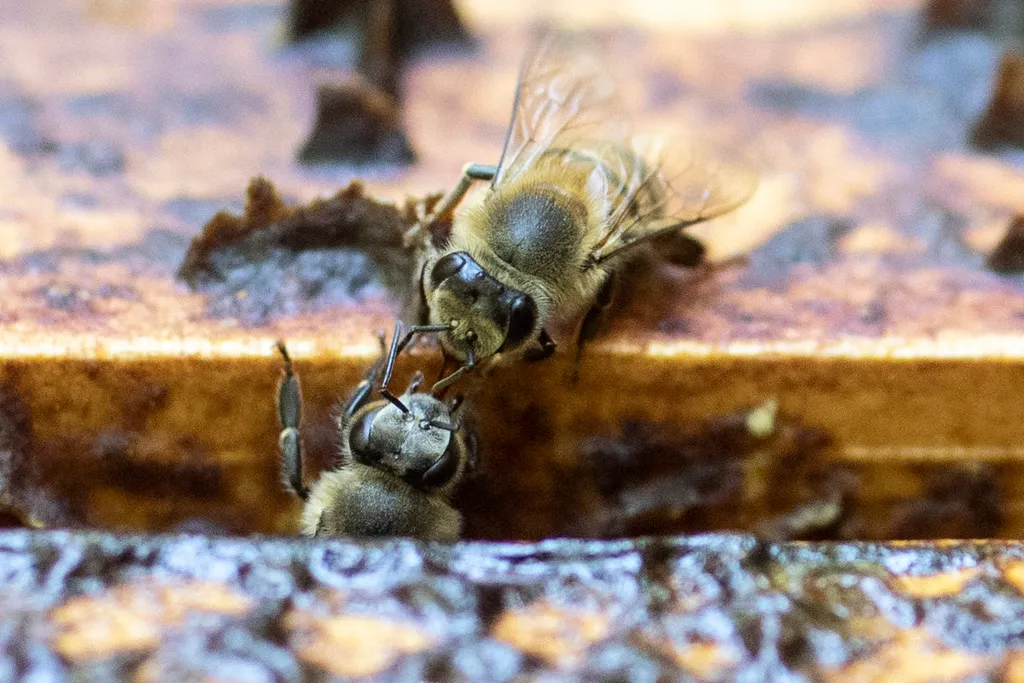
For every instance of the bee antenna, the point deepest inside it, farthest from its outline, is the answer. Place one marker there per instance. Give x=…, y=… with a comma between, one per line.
x=389, y=366
x=279, y=344
x=394, y=400
x=443, y=425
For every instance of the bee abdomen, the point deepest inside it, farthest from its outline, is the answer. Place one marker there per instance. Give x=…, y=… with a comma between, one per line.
x=538, y=229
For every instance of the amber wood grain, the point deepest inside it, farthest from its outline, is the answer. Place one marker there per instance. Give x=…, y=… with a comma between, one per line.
x=864, y=306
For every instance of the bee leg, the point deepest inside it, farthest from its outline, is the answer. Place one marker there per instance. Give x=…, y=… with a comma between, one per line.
x=397, y=346
x=289, y=415
x=545, y=349
x=420, y=236
x=593, y=322
x=470, y=174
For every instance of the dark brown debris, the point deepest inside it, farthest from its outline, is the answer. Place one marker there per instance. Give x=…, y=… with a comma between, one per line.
x=358, y=121
x=1008, y=256
x=308, y=17
x=349, y=218
x=777, y=480
x=958, y=14
x=158, y=465
x=15, y=516
x=656, y=479
x=380, y=61
x=418, y=24
x=356, y=124
x=959, y=501
x=1002, y=20
x=426, y=24
x=824, y=511
x=277, y=259
x=21, y=502
x=680, y=249
x=1003, y=121
x=15, y=439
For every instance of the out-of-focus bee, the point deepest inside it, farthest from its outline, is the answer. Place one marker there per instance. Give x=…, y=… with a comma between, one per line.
x=401, y=459
x=572, y=197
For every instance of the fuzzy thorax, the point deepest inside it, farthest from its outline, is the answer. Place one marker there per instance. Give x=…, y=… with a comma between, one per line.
x=357, y=500
x=537, y=237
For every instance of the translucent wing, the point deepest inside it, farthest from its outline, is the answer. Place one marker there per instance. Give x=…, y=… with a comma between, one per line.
x=567, y=110
x=668, y=185
x=564, y=95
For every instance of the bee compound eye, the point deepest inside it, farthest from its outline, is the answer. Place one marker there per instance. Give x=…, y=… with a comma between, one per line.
x=359, y=438
x=441, y=472
x=521, y=321
x=446, y=267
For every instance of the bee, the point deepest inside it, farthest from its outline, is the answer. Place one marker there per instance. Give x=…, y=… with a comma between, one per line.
x=401, y=458
x=570, y=200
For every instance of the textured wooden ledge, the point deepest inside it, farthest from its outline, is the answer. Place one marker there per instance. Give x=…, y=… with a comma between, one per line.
x=170, y=608
x=130, y=403
x=896, y=423
x=864, y=308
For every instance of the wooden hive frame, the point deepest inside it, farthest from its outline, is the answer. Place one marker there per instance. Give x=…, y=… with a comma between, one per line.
x=865, y=309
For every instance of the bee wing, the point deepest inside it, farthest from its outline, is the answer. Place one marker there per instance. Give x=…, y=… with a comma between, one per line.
x=670, y=185
x=566, y=103
x=565, y=94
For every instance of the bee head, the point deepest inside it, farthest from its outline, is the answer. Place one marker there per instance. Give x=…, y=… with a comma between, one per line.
x=484, y=315
x=419, y=445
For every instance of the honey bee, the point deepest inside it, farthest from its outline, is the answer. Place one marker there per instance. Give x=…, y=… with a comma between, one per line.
x=572, y=197
x=401, y=458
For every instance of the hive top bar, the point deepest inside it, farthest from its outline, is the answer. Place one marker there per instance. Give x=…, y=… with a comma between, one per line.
x=867, y=236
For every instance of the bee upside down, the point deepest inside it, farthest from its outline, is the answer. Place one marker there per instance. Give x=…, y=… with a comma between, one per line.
x=401, y=458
